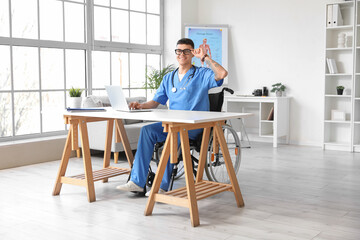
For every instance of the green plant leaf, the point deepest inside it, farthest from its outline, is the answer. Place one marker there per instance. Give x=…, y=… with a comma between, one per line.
x=75, y=92
x=155, y=76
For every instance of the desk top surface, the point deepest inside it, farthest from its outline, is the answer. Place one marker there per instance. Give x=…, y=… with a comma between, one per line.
x=162, y=115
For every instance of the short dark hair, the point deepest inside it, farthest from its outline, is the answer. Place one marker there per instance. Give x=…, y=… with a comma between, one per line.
x=186, y=41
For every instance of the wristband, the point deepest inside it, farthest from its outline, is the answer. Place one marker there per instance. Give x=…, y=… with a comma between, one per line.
x=203, y=58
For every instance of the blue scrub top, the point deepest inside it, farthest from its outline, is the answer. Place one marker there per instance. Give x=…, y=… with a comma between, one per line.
x=195, y=95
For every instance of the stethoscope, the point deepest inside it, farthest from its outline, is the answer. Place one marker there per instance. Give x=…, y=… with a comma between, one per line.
x=173, y=89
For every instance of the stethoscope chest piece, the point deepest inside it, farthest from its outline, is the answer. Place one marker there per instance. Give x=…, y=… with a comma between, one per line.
x=173, y=89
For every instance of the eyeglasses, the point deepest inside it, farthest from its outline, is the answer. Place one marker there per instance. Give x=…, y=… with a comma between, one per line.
x=185, y=51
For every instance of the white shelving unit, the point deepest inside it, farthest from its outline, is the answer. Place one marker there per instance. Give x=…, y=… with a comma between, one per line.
x=275, y=129
x=343, y=134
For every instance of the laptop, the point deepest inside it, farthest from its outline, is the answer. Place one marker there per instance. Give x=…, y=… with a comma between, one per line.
x=118, y=100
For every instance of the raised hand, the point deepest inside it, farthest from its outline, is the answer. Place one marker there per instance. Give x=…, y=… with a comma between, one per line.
x=199, y=52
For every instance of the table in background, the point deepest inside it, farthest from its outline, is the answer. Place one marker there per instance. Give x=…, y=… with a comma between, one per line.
x=276, y=128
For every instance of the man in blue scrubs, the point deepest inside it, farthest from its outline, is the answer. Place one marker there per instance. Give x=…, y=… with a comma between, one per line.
x=186, y=88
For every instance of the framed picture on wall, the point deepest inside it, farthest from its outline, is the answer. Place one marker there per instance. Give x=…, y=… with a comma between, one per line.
x=213, y=39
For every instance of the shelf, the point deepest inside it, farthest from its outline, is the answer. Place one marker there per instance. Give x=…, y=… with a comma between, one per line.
x=335, y=121
x=266, y=135
x=357, y=99
x=338, y=96
x=338, y=74
x=340, y=27
x=338, y=49
x=357, y=122
x=267, y=121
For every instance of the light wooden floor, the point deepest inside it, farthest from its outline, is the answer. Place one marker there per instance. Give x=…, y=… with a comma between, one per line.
x=290, y=193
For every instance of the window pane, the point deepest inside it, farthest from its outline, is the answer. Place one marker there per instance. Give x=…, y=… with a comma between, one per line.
x=102, y=2
x=53, y=105
x=75, y=68
x=150, y=94
x=120, y=4
x=5, y=76
x=137, y=28
x=153, y=61
x=120, y=25
x=153, y=29
x=120, y=69
x=137, y=70
x=4, y=19
x=5, y=115
x=24, y=19
x=99, y=92
x=51, y=20
x=27, y=113
x=52, y=68
x=153, y=6
x=137, y=5
x=137, y=92
x=102, y=24
x=74, y=22
x=26, y=68
x=100, y=69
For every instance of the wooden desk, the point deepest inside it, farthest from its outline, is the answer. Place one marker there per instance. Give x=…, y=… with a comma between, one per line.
x=174, y=122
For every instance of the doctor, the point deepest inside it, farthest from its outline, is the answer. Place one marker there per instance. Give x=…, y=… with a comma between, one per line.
x=186, y=88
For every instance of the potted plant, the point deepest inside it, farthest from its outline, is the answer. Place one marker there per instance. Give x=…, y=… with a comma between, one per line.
x=340, y=90
x=155, y=76
x=75, y=97
x=278, y=88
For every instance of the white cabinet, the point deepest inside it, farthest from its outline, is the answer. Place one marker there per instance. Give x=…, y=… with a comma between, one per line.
x=261, y=123
x=342, y=112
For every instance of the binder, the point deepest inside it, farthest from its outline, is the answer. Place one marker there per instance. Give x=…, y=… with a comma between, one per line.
x=337, y=17
x=331, y=71
x=329, y=15
x=333, y=65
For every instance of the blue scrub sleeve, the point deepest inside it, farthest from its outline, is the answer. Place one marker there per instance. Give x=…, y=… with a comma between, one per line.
x=209, y=76
x=160, y=95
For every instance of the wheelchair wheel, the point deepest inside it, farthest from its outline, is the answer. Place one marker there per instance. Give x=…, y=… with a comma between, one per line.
x=215, y=165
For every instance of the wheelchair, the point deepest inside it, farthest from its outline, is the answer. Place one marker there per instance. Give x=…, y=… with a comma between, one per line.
x=215, y=167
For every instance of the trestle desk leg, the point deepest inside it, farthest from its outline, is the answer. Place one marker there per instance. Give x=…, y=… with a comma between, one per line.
x=190, y=186
x=158, y=176
x=87, y=161
x=64, y=163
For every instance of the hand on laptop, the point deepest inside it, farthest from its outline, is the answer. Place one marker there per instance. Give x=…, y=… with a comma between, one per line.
x=146, y=105
x=135, y=105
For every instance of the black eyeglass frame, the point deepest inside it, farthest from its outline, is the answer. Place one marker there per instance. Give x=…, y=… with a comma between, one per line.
x=182, y=51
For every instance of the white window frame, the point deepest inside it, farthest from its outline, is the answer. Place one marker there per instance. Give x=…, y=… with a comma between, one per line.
x=89, y=46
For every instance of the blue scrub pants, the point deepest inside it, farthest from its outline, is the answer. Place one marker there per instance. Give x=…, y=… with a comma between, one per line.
x=149, y=136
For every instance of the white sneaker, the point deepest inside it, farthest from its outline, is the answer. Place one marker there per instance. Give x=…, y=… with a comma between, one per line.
x=161, y=191
x=130, y=186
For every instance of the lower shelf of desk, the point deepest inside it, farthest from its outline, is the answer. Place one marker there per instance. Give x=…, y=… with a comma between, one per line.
x=97, y=175
x=203, y=190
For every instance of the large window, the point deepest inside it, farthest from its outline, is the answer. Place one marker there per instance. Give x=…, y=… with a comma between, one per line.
x=49, y=46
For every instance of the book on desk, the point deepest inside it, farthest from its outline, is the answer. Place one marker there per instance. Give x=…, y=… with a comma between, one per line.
x=85, y=109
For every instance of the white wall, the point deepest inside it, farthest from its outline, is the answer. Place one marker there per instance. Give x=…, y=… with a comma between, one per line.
x=274, y=41
x=26, y=152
